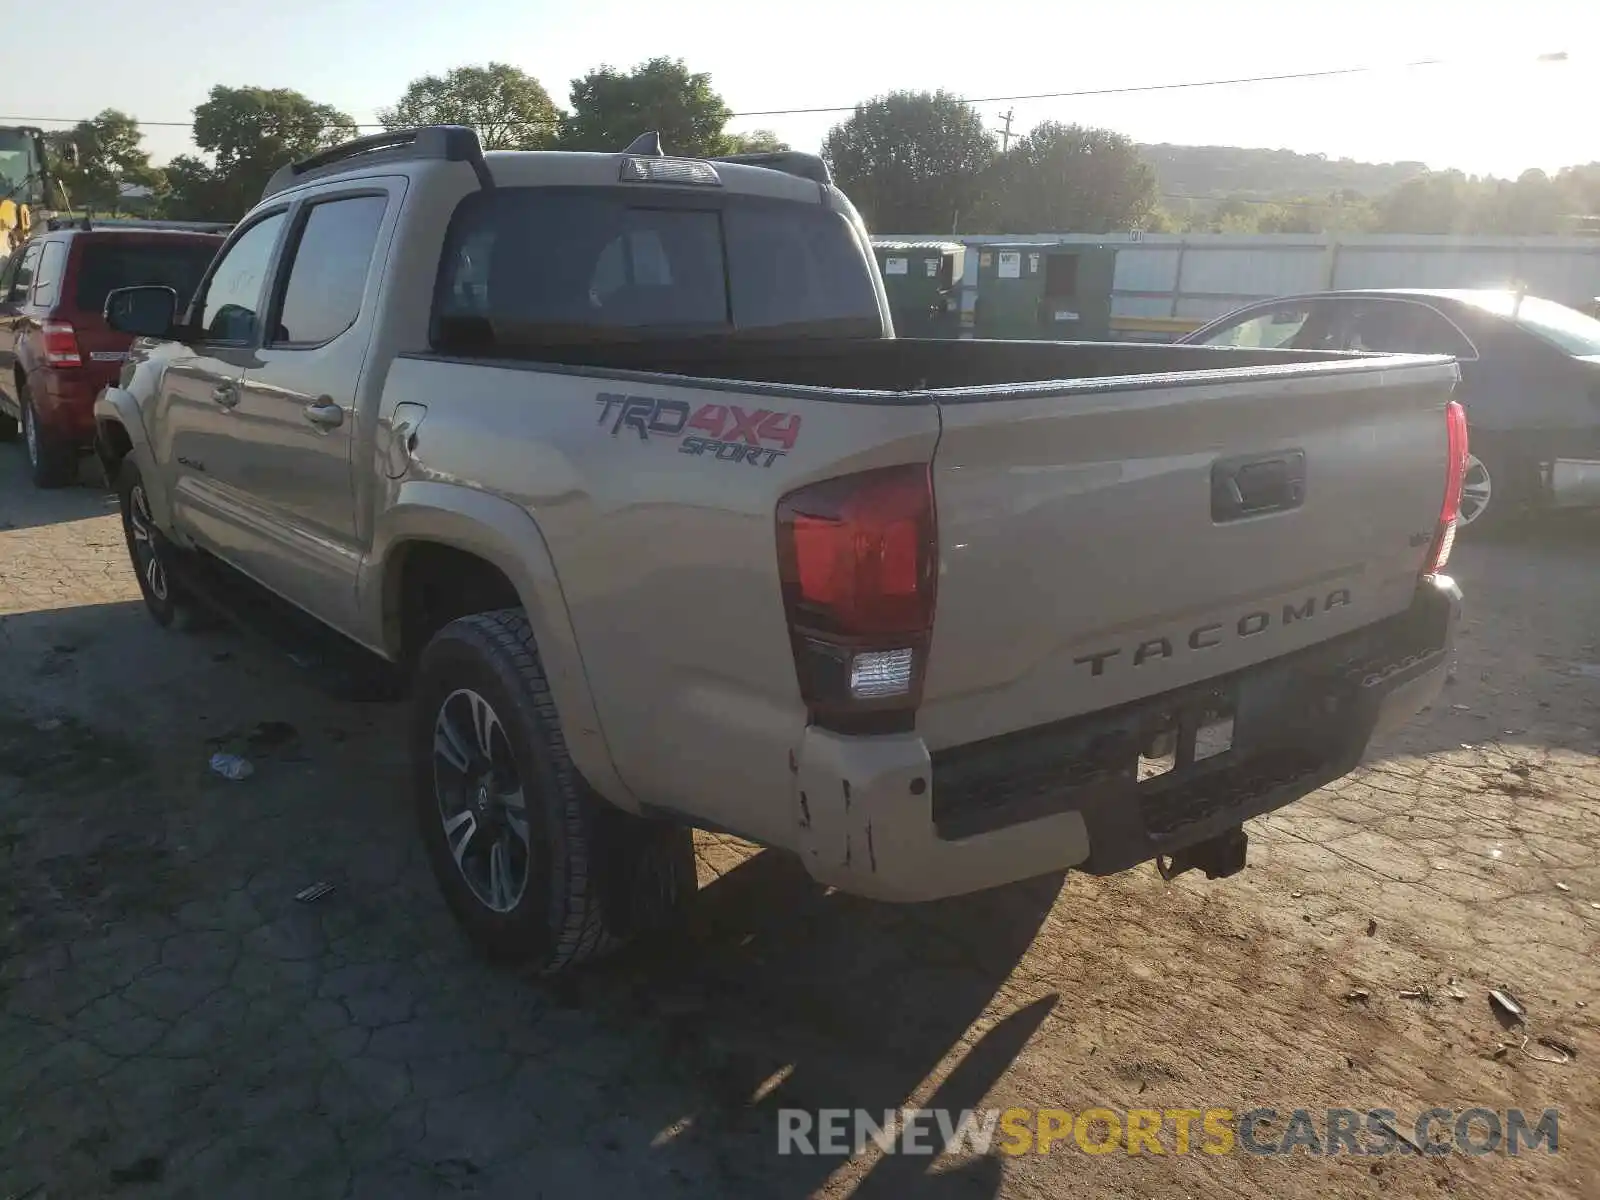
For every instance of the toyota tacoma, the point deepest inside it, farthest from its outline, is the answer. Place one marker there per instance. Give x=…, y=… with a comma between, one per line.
x=614, y=463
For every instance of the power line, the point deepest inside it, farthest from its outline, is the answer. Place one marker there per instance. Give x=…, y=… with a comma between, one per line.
x=846, y=108
x=1123, y=91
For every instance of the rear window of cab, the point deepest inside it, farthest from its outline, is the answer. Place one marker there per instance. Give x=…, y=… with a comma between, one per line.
x=564, y=265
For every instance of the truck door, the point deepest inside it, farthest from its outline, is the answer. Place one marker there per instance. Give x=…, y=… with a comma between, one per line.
x=289, y=459
x=196, y=418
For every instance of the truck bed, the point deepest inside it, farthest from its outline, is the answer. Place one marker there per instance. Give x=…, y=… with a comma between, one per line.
x=884, y=369
x=1083, y=562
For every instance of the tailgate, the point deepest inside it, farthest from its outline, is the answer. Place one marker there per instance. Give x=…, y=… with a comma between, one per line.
x=1103, y=542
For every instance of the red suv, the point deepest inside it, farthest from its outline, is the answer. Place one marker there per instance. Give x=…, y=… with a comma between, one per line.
x=56, y=351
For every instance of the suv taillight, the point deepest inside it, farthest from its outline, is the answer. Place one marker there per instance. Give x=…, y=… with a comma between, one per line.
x=1455, y=469
x=60, y=344
x=858, y=557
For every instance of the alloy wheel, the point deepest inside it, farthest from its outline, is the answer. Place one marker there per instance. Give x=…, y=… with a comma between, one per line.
x=30, y=434
x=481, y=803
x=1477, y=488
x=146, y=558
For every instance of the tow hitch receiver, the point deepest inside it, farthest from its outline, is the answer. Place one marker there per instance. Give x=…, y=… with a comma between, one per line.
x=1218, y=857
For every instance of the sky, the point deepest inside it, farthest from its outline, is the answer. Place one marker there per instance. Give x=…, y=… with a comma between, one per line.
x=1490, y=109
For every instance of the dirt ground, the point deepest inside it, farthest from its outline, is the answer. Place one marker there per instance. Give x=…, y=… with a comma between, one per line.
x=174, y=1023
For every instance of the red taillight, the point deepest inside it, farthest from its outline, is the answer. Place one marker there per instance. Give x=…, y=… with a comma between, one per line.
x=60, y=344
x=1444, y=537
x=858, y=557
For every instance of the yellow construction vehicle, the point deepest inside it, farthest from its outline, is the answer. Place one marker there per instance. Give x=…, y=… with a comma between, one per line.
x=27, y=188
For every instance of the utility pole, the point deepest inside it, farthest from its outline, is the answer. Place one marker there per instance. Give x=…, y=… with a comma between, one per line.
x=1005, y=134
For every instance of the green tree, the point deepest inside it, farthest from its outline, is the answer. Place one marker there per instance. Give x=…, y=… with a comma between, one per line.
x=250, y=132
x=1580, y=188
x=1072, y=178
x=109, y=153
x=755, y=141
x=1233, y=214
x=610, y=108
x=1434, y=202
x=508, y=107
x=1531, y=206
x=195, y=191
x=913, y=162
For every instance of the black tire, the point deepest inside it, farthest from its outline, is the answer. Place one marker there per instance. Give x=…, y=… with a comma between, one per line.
x=8, y=427
x=591, y=875
x=1515, y=489
x=51, y=462
x=163, y=594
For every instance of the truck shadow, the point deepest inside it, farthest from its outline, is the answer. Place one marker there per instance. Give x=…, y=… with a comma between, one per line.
x=780, y=994
x=26, y=507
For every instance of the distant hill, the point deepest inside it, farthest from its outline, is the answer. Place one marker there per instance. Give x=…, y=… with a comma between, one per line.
x=1218, y=171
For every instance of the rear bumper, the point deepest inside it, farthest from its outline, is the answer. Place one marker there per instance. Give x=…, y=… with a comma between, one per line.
x=881, y=817
x=63, y=402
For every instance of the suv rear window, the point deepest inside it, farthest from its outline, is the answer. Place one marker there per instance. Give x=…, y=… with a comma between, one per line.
x=107, y=264
x=570, y=265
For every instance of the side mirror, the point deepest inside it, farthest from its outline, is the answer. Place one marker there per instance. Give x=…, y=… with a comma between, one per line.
x=148, y=311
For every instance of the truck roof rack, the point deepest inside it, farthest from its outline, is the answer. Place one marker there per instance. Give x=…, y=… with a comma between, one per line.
x=450, y=143
x=790, y=162
x=89, y=222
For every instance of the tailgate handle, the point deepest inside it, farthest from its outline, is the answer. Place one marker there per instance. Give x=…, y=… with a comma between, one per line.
x=1255, y=484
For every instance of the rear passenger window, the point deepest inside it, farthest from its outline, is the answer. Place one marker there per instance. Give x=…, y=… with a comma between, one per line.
x=328, y=274
x=119, y=260
x=47, y=275
x=1400, y=327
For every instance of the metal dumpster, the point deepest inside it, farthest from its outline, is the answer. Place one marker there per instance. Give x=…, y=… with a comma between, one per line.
x=923, y=282
x=1051, y=290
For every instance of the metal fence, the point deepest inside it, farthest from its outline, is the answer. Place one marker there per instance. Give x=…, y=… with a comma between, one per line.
x=1171, y=281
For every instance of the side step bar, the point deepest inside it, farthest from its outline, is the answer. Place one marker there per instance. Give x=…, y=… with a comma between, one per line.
x=336, y=665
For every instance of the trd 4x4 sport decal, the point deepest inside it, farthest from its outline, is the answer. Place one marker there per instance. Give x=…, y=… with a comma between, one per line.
x=725, y=432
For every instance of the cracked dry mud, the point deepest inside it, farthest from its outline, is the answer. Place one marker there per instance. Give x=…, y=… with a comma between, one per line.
x=173, y=1023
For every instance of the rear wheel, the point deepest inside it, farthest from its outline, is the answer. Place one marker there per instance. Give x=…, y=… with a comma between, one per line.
x=1477, y=490
x=51, y=462
x=1497, y=489
x=535, y=867
x=151, y=555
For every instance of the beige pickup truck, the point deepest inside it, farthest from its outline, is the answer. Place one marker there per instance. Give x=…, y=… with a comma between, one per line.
x=614, y=462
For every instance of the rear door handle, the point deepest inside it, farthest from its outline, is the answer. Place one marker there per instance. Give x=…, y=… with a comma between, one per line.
x=226, y=394
x=1252, y=485
x=325, y=414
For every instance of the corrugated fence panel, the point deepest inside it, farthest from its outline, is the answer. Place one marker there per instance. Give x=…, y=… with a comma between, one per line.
x=1394, y=266
x=1146, y=275
x=1561, y=274
x=1245, y=272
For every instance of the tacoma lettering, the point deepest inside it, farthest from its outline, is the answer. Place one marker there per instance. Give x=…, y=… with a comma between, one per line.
x=1213, y=634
